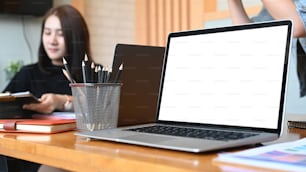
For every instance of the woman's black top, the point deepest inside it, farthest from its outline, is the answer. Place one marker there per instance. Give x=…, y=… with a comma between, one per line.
x=31, y=78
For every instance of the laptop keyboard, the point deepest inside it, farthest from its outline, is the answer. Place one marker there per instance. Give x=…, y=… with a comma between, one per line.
x=194, y=133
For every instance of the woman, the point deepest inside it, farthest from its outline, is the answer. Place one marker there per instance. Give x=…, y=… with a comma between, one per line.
x=64, y=34
x=295, y=10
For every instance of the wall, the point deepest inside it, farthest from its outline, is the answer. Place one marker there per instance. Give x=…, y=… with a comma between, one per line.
x=109, y=22
x=221, y=16
x=19, y=41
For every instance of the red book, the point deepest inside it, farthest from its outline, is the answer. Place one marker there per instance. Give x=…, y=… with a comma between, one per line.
x=37, y=125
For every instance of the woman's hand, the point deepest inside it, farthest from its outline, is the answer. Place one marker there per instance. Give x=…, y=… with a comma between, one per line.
x=48, y=103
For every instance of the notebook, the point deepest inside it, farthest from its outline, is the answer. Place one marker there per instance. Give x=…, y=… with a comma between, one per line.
x=141, y=79
x=220, y=88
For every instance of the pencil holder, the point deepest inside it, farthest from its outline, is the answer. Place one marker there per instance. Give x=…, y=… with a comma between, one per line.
x=96, y=105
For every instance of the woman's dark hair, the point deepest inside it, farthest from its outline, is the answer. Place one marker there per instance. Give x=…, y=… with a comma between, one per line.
x=76, y=36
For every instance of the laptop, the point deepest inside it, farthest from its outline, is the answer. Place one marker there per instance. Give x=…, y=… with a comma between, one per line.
x=141, y=80
x=220, y=88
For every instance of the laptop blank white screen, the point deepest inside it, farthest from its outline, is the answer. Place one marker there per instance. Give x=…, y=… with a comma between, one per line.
x=227, y=78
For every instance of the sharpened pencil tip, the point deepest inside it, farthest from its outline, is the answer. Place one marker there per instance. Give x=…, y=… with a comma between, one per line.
x=64, y=60
x=121, y=66
x=67, y=76
x=92, y=65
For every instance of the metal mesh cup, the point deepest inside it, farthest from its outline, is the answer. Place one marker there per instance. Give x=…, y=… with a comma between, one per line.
x=96, y=105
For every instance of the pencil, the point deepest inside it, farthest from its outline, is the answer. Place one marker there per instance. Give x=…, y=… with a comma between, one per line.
x=85, y=69
x=100, y=74
x=109, y=72
x=86, y=58
x=67, y=76
x=96, y=74
x=84, y=72
x=92, y=72
x=67, y=72
x=104, y=75
x=119, y=73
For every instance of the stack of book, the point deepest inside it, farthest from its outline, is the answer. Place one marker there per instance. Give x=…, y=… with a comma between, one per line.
x=15, y=119
x=288, y=156
x=296, y=121
x=37, y=125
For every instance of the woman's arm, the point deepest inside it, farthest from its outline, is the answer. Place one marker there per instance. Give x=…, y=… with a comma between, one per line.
x=284, y=9
x=237, y=12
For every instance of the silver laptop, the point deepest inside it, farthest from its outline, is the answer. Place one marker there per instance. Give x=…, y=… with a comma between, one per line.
x=220, y=88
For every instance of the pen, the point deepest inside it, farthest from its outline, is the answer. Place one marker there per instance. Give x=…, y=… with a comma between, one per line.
x=119, y=73
x=67, y=72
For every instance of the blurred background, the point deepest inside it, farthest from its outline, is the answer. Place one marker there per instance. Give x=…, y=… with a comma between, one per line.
x=145, y=22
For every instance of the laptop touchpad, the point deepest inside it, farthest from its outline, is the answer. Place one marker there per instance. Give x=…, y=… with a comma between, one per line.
x=146, y=138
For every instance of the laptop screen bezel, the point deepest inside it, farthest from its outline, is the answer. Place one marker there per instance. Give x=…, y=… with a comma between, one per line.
x=228, y=29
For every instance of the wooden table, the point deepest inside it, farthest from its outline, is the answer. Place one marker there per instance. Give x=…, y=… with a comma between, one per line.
x=65, y=150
